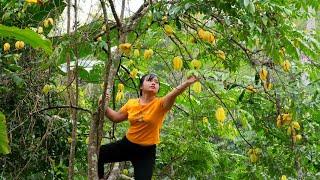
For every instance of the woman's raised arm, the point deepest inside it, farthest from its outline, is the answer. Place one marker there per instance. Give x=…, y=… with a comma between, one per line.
x=170, y=98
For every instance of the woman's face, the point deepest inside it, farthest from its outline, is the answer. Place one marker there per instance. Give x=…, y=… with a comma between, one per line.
x=150, y=85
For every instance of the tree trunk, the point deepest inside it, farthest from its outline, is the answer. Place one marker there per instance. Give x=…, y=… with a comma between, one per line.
x=115, y=173
x=73, y=99
x=111, y=64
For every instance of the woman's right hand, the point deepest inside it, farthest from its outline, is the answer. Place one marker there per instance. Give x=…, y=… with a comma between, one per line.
x=107, y=98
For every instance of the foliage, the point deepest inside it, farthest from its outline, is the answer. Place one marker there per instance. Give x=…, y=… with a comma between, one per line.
x=26, y=35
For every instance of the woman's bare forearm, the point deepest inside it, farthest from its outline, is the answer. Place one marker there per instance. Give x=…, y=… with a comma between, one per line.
x=115, y=116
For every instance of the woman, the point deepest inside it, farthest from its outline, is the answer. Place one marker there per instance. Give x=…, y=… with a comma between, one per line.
x=146, y=115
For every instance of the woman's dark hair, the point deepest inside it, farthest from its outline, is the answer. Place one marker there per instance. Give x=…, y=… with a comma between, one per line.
x=150, y=77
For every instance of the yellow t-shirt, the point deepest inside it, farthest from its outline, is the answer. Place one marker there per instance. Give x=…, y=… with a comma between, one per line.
x=145, y=121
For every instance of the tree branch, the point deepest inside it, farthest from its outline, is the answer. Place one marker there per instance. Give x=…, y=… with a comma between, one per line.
x=60, y=107
x=137, y=15
x=122, y=9
x=115, y=14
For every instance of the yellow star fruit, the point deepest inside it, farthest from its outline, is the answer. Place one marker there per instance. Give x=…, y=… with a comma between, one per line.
x=205, y=120
x=50, y=20
x=69, y=140
x=254, y=154
x=40, y=30
x=168, y=29
x=253, y=158
x=212, y=39
x=201, y=33
x=267, y=85
x=120, y=87
x=206, y=36
x=19, y=45
x=296, y=125
x=221, y=54
x=263, y=74
x=133, y=73
x=282, y=51
x=286, y=118
x=119, y=96
x=251, y=89
x=148, y=53
x=46, y=23
x=196, y=64
x=279, y=122
x=125, y=171
x=220, y=114
x=177, y=63
x=286, y=65
x=298, y=137
x=46, y=88
x=136, y=53
x=196, y=87
x=6, y=47
x=32, y=1
x=125, y=48
x=283, y=177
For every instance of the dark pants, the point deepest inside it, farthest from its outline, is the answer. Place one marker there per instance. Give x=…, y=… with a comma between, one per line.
x=141, y=157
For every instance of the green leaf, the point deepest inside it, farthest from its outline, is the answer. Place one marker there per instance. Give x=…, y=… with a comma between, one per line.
x=15, y=67
x=241, y=96
x=246, y=3
x=18, y=81
x=291, y=48
x=251, y=7
x=4, y=143
x=187, y=6
x=28, y=36
x=264, y=20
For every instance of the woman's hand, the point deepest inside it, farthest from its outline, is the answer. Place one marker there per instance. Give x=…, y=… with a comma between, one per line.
x=192, y=79
x=107, y=98
x=114, y=116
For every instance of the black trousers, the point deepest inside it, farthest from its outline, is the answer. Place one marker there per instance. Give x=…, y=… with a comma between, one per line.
x=141, y=157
